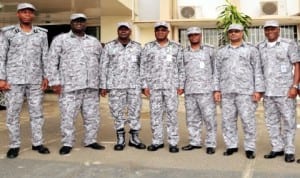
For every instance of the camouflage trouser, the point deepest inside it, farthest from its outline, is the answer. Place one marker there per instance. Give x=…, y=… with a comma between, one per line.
x=122, y=100
x=280, y=112
x=201, y=108
x=232, y=105
x=14, y=101
x=161, y=100
x=86, y=101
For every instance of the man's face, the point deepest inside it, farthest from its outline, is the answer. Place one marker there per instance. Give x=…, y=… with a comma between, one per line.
x=78, y=25
x=124, y=32
x=272, y=33
x=235, y=35
x=26, y=16
x=194, y=38
x=161, y=33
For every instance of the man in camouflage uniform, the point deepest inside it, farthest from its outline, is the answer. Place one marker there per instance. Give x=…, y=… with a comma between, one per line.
x=22, y=73
x=74, y=70
x=199, y=102
x=121, y=76
x=279, y=56
x=162, y=75
x=239, y=82
x=3, y=50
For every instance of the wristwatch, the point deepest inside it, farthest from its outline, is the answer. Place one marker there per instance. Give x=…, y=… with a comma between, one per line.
x=295, y=86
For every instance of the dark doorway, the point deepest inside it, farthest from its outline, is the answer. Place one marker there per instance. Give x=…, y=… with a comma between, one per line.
x=54, y=30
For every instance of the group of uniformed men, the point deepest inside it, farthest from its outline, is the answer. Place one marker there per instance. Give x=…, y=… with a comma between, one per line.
x=78, y=69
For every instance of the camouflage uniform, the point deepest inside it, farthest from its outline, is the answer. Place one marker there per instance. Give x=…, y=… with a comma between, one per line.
x=277, y=62
x=74, y=63
x=122, y=79
x=3, y=50
x=199, y=102
x=23, y=69
x=162, y=71
x=238, y=75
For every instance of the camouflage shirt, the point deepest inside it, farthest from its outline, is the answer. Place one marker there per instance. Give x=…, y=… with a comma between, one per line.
x=26, y=55
x=277, y=62
x=120, y=65
x=3, y=51
x=199, y=65
x=74, y=62
x=162, y=67
x=238, y=70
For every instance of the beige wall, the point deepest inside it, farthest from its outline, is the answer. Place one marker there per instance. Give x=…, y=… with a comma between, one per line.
x=109, y=26
x=145, y=35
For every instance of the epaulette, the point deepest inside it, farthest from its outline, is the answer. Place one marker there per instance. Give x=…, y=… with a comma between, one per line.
x=37, y=29
x=250, y=44
x=261, y=42
x=175, y=42
x=111, y=42
x=151, y=43
x=11, y=27
x=221, y=47
x=135, y=42
x=286, y=40
x=208, y=45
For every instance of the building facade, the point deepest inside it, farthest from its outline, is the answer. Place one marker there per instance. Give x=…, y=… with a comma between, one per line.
x=104, y=14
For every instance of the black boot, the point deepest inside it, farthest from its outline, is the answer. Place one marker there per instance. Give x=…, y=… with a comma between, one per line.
x=134, y=140
x=120, y=140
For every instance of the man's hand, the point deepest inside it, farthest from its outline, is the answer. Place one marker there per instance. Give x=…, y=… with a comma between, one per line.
x=103, y=92
x=146, y=92
x=4, y=85
x=57, y=89
x=217, y=96
x=256, y=96
x=180, y=91
x=292, y=92
x=44, y=85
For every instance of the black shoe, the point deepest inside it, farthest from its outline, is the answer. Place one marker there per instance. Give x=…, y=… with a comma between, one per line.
x=230, y=151
x=120, y=140
x=154, y=147
x=119, y=147
x=65, y=150
x=138, y=146
x=250, y=154
x=95, y=146
x=289, y=158
x=41, y=149
x=173, y=149
x=298, y=161
x=2, y=107
x=12, y=153
x=210, y=150
x=134, y=140
x=190, y=147
x=274, y=154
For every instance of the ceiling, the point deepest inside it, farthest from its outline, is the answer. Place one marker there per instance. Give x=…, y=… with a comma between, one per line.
x=58, y=11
